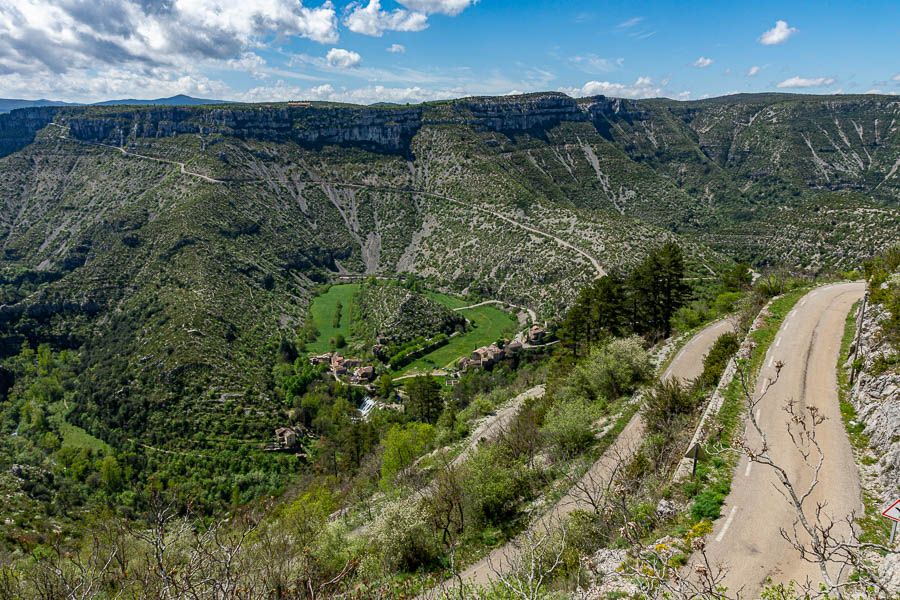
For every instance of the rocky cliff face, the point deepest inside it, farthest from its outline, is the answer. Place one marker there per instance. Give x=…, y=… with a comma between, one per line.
x=388, y=129
x=877, y=401
x=518, y=113
x=18, y=128
x=385, y=128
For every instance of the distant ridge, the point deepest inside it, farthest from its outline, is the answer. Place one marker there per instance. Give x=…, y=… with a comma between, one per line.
x=8, y=104
x=179, y=100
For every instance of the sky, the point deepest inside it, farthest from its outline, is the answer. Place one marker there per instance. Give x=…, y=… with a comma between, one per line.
x=366, y=51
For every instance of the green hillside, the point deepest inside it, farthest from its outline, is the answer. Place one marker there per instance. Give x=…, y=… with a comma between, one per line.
x=179, y=267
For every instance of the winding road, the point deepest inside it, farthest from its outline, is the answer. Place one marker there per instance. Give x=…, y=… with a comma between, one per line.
x=144, y=156
x=747, y=540
x=687, y=364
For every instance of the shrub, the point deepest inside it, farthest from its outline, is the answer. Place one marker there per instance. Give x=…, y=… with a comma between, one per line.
x=616, y=368
x=568, y=425
x=662, y=407
x=715, y=362
x=708, y=503
x=401, y=536
x=402, y=445
x=490, y=487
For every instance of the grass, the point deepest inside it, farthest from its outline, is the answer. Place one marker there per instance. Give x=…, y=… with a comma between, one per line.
x=488, y=325
x=322, y=311
x=873, y=527
x=74, y=436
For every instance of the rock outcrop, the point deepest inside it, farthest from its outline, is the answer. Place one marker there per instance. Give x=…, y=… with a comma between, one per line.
x=18, y=127
x=876, y=398
x=384, y=128
x=877, y=401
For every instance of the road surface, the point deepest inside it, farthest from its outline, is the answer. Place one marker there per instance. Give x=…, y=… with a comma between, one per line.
x=747, y=539
x=687, y=364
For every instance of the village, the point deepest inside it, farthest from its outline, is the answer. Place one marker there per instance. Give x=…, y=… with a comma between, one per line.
x=354, y=371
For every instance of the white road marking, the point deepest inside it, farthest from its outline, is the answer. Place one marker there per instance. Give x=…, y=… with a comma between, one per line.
x=747, y=471
x=727, y=524
x=777, y=342
x=771, y=361
x=758, y=410
x=802, y=302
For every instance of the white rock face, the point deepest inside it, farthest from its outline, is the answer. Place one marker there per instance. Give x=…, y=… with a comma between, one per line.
x=877, y=402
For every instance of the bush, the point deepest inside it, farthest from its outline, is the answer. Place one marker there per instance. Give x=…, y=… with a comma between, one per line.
x=568, y=426
x=715, y=362
x=668, y=400
x=402, y=445
x=402, y=537
x=490, y=487
x=615, y=369
x=708, y=503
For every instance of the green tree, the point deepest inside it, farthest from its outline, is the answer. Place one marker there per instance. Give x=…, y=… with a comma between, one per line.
x=403, y=444
x=425, y=402
x=111, y=473
x=598, y=312
x=385, y=386
x=737, y=279
x=656, y=289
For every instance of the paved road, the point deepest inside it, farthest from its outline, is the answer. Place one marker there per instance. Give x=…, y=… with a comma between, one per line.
x=687, y=364
x=747, y=540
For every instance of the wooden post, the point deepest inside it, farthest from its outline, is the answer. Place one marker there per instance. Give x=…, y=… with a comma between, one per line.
x=893, y=532
x=696, y=453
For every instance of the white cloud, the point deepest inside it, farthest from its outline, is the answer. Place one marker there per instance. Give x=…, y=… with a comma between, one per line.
x=778, y=34
x=446, y=7
x=702, y=62
x=896, y=77
x=685, y=95
x=343, y=59
x=752, y=71
x=397, y=48
x=167, y=40
x=82, y=85
x=630, y=22
x=642, y=88
x=371, y=20
x=805, y=82
x=591, y=63
x=874, y=92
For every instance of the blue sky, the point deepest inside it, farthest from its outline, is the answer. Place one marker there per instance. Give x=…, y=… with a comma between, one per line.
x=413, y=50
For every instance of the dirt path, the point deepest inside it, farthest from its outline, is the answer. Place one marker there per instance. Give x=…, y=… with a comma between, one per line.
x=687, y=364
x=747, y=540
